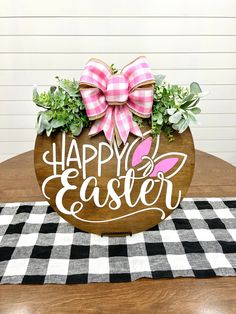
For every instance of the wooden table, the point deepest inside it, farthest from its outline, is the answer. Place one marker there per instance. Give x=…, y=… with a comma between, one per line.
x=213, y=177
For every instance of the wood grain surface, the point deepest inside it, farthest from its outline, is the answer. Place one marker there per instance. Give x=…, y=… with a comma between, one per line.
x=135, y=218
x=212, y=178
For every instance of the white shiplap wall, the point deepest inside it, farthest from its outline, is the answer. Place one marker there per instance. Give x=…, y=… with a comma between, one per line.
x=186, y=40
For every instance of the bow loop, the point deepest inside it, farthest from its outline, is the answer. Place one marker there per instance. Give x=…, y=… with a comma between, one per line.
x=95, y=74
x=110, y=99
x=140, y=101
x=94, y=101
x=138, y=73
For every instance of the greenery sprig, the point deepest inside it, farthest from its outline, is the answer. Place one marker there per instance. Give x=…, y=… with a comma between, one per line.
x=174, y=108
x=64, y=108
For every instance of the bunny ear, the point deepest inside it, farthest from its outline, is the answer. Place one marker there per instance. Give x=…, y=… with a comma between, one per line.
x=164, y=165
x=141, y=150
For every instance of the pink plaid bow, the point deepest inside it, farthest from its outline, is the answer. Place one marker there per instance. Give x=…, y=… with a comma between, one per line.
x=111, y=99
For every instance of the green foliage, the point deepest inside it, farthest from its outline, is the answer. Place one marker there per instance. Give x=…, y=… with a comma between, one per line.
x=174, y=107
x=64, y=108
x=138, y=120
x=114, y=70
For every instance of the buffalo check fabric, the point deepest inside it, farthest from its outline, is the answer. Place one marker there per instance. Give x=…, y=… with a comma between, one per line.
x=39, y=247
x=111, y=98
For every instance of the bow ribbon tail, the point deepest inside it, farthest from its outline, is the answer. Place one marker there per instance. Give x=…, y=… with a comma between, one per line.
x=124, y=124
x=117, y=136
x=105, y=124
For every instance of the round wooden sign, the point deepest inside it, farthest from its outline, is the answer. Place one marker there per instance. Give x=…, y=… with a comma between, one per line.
x=110, y=190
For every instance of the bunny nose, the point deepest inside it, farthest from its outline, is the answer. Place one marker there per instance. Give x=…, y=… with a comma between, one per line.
x=117, y=90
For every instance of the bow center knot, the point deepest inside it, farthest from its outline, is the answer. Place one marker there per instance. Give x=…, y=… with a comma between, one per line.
x=117, y=90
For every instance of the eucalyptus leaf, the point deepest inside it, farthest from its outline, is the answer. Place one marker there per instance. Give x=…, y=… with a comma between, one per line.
x=49, y=131
x=191, y=117
x=185, y=115
x=188, y=98
x=76, y=129
x=39, y=127
x=57, y=123
x=42, y=122
x=195, y=110
x=159, y=78
x=195, y=88
x=194, y=103
x=177, y=126
x=45, y=119
x=184, y=127
x=35, y=93
x=175, y=118
x=48, y=114
x=171, y=111
x=181, y=126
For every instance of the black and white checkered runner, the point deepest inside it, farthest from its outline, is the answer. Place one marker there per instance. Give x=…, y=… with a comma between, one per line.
x=37, y=246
